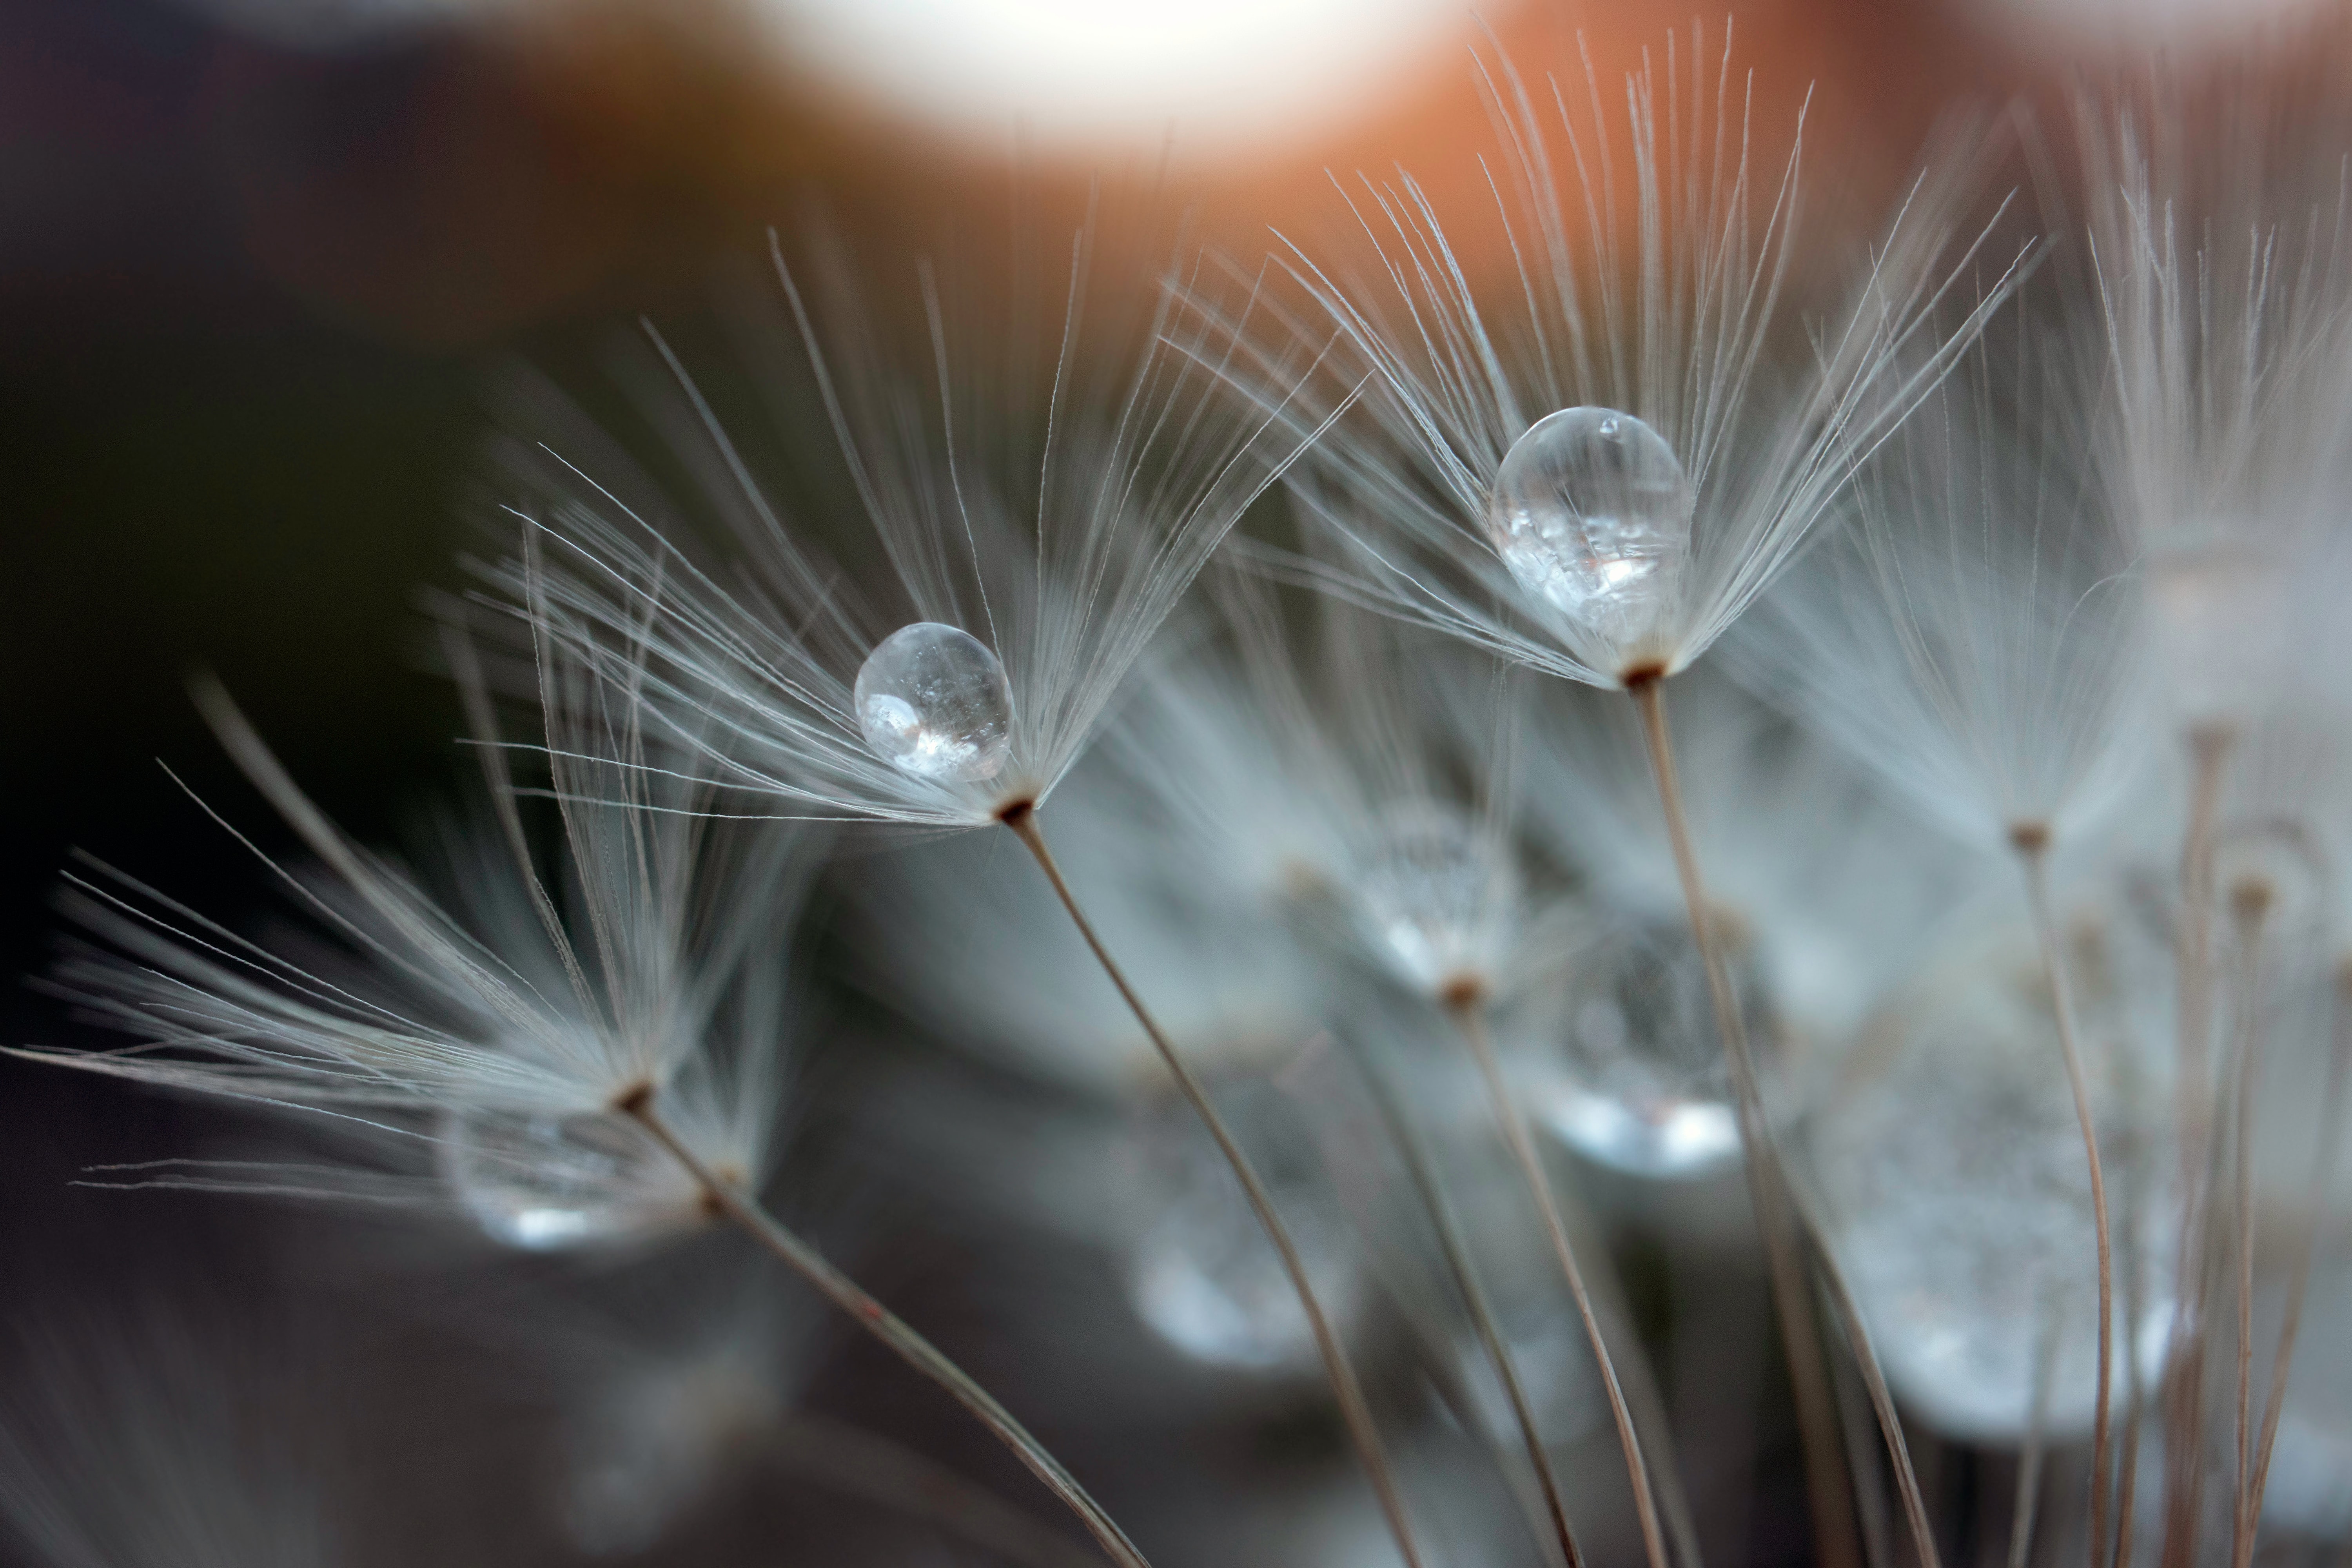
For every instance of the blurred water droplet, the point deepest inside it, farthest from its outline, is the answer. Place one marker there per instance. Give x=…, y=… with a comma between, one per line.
x=657, y=1442
x=1591, y=512
x=1202, y=1274
x=1959, y=1199
x=933, y=701
x=1636, y=1078
x=543, y=1183
x=1436, y=899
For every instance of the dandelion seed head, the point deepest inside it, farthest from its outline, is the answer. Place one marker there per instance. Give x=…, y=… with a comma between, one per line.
x=136, y=1440
x=1592, y=512
x=933, y=701
x=1437, y=897
x=1631, y=416
x=2274, y=871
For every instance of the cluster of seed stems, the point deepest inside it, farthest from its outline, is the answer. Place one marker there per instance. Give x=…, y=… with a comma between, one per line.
x=1791, y=1240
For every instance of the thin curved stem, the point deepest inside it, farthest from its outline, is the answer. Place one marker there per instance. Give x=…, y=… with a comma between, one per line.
x=2134, y=1273
x=1827, y=1484
x=2246, y=1051
x=1473, y=1021
x=2323, y=1166
x=2184, y=1393
x=1344, y=1387
x=1458, y=1264
x=879, y=1320
x=1882, y=1402
x=2033, y=853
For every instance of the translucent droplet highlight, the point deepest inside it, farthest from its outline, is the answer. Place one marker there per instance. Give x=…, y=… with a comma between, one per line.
x=1591, y=512
x=544, y=1182
x=933, y=701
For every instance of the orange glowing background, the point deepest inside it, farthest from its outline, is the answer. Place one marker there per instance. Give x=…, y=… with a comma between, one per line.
x=552, y=149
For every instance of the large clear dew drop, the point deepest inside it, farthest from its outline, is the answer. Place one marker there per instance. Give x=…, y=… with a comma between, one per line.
x=544, y=1182
x=1591, y=512
x=934, y=702
x=1637, y=1078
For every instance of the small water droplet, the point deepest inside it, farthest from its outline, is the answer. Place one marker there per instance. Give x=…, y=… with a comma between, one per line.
x=933, y=701
x=544, y=1182
x=1591, y=512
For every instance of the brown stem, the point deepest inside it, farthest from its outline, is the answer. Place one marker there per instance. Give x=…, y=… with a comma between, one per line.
x=1826, y=1482
x=1882, y=1402
x=1353, y=1409
x=2135, y=1389
x=879, y=1320
x=1464, y=1273
x=2032, y=844
x=2250, y=905
x=2323, y=1166
x=1471, y=1016
x=2209, y=748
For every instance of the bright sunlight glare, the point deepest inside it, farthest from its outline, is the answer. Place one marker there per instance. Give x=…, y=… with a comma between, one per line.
x=1210, y=78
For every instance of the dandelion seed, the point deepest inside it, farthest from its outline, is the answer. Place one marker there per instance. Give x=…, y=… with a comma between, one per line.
x=1027, y=566
x=1438, y=899
x=1071, y=565
x=552, y=1069
x=499, y=1034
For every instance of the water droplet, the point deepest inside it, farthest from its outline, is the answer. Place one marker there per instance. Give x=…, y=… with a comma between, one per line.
x=544, y=1182
x=1201, y=1273
x=1640, y=1082
x=1958, y=1197
x=1591, y=512
x=934, y=702
x=1436, y=899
